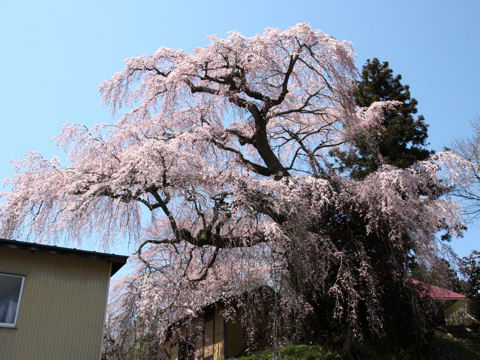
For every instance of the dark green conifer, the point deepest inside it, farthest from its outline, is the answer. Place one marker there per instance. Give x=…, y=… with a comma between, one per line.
x=405, y=138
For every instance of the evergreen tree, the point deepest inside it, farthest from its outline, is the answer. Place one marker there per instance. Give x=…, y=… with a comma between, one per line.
x=405, y=137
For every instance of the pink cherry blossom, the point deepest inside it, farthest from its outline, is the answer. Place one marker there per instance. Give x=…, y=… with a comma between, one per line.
x=220, y=170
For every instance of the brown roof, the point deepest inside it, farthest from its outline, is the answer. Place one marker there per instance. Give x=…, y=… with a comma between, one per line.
x=117, y=260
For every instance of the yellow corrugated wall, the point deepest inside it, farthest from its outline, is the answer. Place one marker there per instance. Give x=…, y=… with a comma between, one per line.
x=219, y=340
x=62, y=308
x=208, y=347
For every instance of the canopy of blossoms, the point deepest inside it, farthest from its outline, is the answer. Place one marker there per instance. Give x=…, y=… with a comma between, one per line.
x=219, y=163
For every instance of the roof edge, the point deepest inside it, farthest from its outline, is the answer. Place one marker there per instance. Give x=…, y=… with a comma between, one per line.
x=117, y=260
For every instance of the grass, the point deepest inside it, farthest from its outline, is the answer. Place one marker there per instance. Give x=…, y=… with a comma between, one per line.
x=441, y=348
x=302, y=352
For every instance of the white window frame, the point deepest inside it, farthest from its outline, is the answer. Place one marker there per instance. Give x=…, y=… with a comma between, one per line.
x=9, y=325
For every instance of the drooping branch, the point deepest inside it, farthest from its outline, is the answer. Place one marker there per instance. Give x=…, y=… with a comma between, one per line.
x=222, y=163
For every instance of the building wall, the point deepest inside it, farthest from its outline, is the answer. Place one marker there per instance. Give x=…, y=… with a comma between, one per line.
x=219, y=340
x=234, y=342
x=62, y=310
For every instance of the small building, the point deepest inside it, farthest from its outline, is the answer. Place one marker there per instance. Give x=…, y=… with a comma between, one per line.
x=450, y=300
x=53, y=301
x=215, y=340
x=211, y=336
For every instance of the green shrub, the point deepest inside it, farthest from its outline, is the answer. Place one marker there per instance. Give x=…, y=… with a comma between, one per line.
x=296, y=352
x=439, y=349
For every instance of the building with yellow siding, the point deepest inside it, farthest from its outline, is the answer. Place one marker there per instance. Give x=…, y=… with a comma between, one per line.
x=210, y=336
x=216, y=340
x=53, y=301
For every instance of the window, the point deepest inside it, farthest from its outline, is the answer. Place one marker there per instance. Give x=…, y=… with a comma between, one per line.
x=11, y=287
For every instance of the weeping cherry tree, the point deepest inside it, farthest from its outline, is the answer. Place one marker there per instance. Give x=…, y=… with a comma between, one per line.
x=218, y=168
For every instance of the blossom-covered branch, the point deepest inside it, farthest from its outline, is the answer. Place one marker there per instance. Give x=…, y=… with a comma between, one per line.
x=226, y=151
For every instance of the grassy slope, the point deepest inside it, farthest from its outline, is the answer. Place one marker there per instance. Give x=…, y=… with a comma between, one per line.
x=441, y=349
x=303, y=352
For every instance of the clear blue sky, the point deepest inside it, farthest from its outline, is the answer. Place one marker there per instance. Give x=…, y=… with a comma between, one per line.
x=54, y=54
